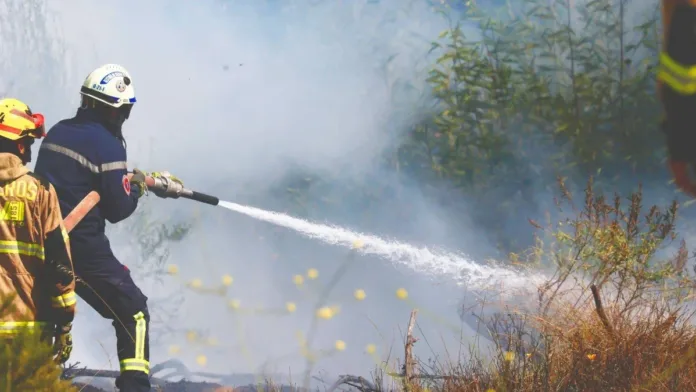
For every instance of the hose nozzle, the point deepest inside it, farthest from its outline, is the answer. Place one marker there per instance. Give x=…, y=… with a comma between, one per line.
x=163, y=186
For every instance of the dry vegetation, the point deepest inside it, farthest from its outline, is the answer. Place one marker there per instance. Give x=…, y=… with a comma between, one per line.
x=615, y=313
x=613, y=316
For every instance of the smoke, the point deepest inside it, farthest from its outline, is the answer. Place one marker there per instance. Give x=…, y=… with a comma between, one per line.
x=237, y=98
x=249, y=100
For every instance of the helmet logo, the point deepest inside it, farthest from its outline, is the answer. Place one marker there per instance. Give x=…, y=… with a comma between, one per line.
x=120, y=86
x=107, y=78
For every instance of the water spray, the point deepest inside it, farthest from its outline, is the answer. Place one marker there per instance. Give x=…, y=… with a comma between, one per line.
x=423, y=260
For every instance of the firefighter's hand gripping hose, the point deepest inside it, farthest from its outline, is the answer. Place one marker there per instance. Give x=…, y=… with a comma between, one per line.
x=162, y=184
x=167, y=186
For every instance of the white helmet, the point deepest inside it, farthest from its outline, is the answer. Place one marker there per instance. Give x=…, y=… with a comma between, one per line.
x=110, y=84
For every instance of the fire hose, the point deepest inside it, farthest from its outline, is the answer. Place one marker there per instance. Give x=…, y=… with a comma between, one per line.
x=160, y=186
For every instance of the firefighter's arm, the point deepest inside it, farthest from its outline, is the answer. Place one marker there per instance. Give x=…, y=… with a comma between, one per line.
x=58, y=261
x=677, y=60
x=119, y=197
x=676, y=91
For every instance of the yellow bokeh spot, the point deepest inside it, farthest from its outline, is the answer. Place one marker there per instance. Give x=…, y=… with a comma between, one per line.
x=490, y=390
x=172, y=269
x=212, y=341
x=312, y=273
x=371, y=348
x=291, y=307
x=174, y=349
x=325, y=312
x=359, y=294
x=233, y=303
x=201, y=360
x=357, y=244
x=196, y=283
x=509, y=356
x=300, y=336
x=402, y=293
x=298, y=279
x=191, y=336
x=227, y=280
x=340, y=345
x=591, y=357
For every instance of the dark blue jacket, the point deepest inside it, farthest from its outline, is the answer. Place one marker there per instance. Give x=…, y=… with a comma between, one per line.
x=77, y=156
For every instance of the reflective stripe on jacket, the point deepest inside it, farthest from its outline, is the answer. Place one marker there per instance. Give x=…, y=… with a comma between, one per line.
x=34, y=252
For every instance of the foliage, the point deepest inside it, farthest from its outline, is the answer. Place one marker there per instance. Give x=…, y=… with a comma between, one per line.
x=570, y=77
x=614, y=247
x=641, y=338
x=26, y=362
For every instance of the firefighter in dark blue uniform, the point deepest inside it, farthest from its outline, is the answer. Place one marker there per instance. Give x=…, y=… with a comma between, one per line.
x=85, y=153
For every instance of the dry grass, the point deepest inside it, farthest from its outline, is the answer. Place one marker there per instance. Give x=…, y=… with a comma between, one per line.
x=612, y=316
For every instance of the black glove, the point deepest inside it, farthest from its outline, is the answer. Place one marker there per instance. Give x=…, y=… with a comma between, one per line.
x=138, y=178
x=62, y=343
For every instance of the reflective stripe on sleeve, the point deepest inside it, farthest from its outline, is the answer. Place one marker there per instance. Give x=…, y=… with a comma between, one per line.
x=82, y=160
x=681, y=79
x=64, y=301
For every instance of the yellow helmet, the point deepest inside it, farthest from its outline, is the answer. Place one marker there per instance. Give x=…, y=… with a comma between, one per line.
x=17, y=121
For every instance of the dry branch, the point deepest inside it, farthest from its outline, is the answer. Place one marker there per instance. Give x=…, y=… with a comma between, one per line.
x=409, y=361
x=357, y=382
x=600, y=311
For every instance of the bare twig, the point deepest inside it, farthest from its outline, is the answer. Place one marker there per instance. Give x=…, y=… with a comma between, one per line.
x=358, y=382
x=409, y=361
x=600, y=311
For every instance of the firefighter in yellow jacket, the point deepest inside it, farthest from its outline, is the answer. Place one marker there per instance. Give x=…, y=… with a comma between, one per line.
x=677, y=88
x=35, y=264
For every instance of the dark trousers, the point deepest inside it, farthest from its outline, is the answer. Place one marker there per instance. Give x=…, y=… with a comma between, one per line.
x=109, y=289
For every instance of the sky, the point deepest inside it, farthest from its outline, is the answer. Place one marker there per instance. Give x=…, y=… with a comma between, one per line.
x=231, y=95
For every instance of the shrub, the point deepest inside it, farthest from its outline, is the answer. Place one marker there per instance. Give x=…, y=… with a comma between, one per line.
x=26, y=363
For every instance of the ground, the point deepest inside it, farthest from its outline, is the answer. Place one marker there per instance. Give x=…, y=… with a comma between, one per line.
x=188, y=386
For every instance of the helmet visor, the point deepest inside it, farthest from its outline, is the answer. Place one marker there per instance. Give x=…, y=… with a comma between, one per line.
x=37, y=118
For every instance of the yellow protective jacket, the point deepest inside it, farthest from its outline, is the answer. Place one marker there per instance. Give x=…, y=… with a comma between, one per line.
x=677, y=78
x=36, y=271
